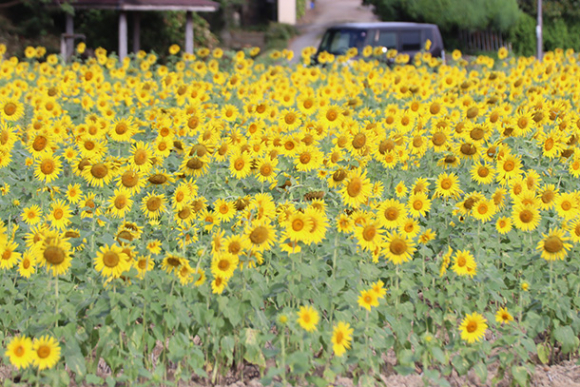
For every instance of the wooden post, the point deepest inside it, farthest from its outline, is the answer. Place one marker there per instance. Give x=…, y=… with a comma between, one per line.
x=122, y=35
x=540, y=45
x=136, y=31
x=189, y=32
x=70, y=42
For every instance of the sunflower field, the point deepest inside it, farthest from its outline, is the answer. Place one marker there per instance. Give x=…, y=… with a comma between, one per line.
x=180, y=222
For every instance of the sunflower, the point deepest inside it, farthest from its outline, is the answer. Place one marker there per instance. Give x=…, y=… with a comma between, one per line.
x=59, y=215
x=46, y=352
x=218, y=285
x=8, y=255
x=48, y=168
x=40, y=145
x=554, y=246
x=526, y=218
x=473, y=327
x=369, y=236
x=297, y=227
x=120, y=203
x=446, y=260
x=448, y=186
x=344, y=224
x=153, y=205
x=508, y=167
x=11, y=109
x=308, y=318
x=398, y=248
x=240, y=166
x=224, y=210
x=123, y=129
x=567, y=205
x=19, y=351
x=319, y=224
x=26, y=266
x=401, y=189
x=142, y=156
x=143, y=264
x=368, y=299
x=224, y=265
x=261, y=235
x=111, y=261
x=482, y=173
x=391, y=213
x=464, y=263
x=418, y=204
x=503, y=316
x=503, y=225
x=307, y=158
x=331, y=116
x=98, y=174
x=341, y=338
x=54, y=252
x=32, y=215
x=410, y=227
x=356, y=189
x=484, y=210
x=74, y=193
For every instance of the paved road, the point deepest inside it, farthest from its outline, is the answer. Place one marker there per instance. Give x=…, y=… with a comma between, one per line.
x=325, y=14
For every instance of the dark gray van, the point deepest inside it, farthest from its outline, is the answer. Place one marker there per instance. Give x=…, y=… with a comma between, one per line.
x=406, y=38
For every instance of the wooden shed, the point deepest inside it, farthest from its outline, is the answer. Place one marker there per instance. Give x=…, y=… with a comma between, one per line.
x=133, y=8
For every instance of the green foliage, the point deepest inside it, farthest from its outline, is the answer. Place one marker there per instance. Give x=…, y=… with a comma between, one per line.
x=300, y=8
x=278, y=35
x=523, y=35
x=449, y=15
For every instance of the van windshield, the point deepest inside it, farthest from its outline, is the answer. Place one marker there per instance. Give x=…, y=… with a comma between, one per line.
x=338, y=41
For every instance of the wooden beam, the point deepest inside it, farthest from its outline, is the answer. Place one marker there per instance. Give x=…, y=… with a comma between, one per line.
x=189, y=32
x=70, y=42
x=136, y=32
x=122, y=35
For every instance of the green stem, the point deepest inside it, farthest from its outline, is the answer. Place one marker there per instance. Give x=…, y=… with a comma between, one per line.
x=56, y=300
x=283, y=361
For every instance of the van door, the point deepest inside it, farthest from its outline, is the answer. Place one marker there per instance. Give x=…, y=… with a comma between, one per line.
x=386, y=38
x=410, y=41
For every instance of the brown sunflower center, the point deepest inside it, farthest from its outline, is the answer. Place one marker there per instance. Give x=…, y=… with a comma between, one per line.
x=526, y=216
x=43, y=351
x=354, y=187
x=553, y=244
x=369, y=233
x=359, y=140
x=111, y=259
x=259, y=235
x=10, y=108
x=130, y=179
x=54, y=255
x=439, y=138
x=99, y=170
x=398, y=247
x=153, y=204
x=471, y=327
x=120, y=202
x=47, y=166
x=39, y=143
x=121, y=128
x=297, y=224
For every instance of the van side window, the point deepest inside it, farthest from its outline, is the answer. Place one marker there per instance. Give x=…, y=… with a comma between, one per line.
x=387, y=39
x=410, y=40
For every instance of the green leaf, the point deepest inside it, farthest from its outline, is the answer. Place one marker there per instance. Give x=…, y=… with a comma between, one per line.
x=481, y=371
x=74, y=358
x=520, y=375
x=565, y=336
x=543, y=352
x=461, y=365
x=439, y=355
x=94, y=379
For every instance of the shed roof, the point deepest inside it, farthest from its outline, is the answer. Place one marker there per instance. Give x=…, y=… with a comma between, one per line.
x=146, y=5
